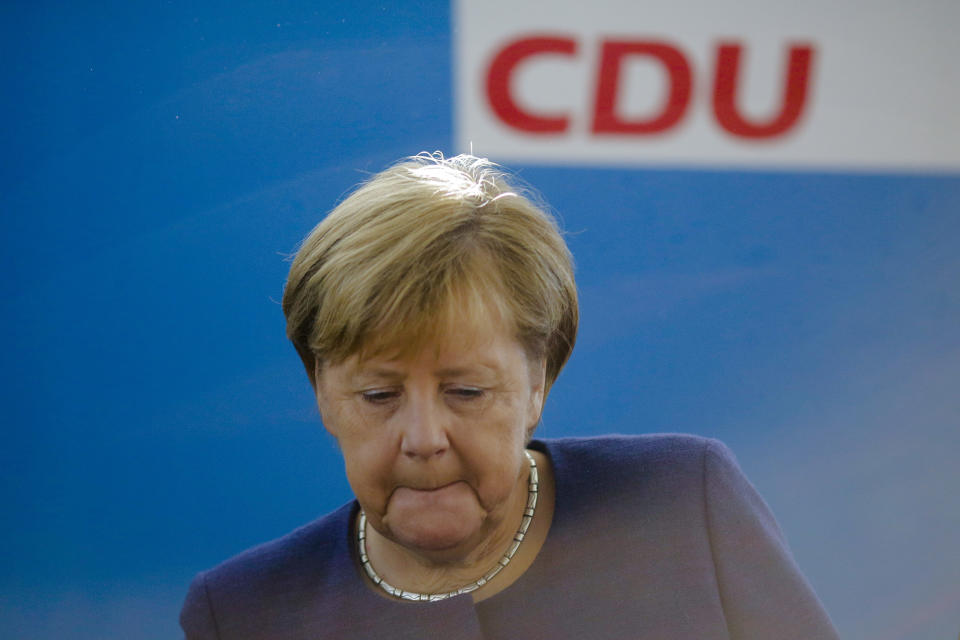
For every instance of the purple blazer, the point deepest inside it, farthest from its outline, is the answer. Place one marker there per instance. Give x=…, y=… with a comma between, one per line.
x=656, y=536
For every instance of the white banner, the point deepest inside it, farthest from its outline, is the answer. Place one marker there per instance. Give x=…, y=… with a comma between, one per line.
x=864, y=84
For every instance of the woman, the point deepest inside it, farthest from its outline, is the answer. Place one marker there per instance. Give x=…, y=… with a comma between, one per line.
x=433, y=309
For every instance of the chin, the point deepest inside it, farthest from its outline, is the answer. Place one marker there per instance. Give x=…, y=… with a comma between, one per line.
x=446, y=520
x=435, y=538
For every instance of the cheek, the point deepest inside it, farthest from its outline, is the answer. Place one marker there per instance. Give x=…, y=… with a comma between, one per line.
x=498, y=479
x=494, y=448
x=365, y=450
x=352, y=424
x=368, y=473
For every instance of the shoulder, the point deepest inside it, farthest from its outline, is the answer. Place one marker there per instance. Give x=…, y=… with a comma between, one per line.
x=285, y=557
x=694, y=478
x=648, y=474
x=647, y=453
x=278, y=576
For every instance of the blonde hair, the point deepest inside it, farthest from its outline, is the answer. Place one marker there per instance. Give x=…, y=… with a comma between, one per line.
x=421, y=244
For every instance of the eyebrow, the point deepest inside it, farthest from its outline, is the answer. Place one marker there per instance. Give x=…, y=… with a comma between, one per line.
x=478, y=368
x=379, y=373
x=367, y=373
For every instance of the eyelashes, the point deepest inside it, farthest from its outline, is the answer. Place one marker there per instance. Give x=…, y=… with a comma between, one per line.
x=379, y=396
x=467, y=393
x=453, y=393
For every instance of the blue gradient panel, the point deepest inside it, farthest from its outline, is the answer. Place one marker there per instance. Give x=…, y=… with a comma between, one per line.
x=163, y=160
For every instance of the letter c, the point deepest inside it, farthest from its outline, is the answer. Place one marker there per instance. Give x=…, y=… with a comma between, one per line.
x=501, y=72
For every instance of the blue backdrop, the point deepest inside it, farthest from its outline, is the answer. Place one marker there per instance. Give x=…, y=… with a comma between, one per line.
x=161, y=162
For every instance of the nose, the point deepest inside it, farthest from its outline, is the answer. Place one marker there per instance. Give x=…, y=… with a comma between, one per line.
x=424, y=428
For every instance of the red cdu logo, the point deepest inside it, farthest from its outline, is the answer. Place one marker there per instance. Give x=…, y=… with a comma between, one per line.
x=678, y=97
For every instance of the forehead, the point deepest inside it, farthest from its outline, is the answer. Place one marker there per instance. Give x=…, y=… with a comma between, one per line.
x=455, y=338
x=465, y=317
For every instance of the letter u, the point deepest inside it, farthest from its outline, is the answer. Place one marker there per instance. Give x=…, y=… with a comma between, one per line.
x=795, y=92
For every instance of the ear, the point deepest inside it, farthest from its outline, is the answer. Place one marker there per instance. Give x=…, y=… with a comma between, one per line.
x=320, y=393
x=316, y=379
x=538, y=394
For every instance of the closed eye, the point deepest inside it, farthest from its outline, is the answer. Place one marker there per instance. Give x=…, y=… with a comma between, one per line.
x=379, y=396
x=465, y=393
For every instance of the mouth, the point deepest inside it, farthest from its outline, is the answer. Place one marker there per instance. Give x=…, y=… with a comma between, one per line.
x=432, y=517
x=428, y=488
x=431, y=496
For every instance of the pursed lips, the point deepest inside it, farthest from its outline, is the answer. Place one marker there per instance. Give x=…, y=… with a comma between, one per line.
x=424, y=496
x=427, y=488
x=431, y=496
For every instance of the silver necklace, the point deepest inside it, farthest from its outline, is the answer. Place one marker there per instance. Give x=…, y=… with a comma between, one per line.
x=396, y=592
